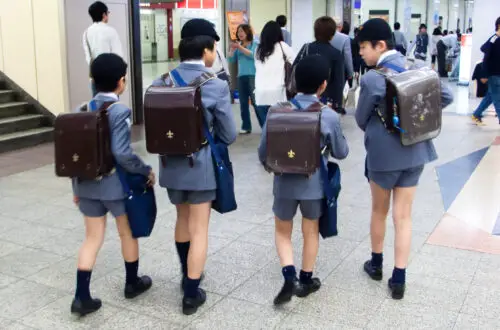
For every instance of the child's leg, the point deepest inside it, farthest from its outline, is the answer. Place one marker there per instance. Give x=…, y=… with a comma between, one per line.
x=283, y=239
x=182, y=239
x=401, y=213
x=95, y=227
x=402, y=204
x=381, y=199
x=199, y=216
x=310, y=233
x=380, y=208
x=134, y=285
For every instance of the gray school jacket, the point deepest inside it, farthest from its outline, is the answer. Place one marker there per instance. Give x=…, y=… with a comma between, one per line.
x=299, y=187
x=109, y=188
x=177, y=173
x=384, y=150
x=342, y=42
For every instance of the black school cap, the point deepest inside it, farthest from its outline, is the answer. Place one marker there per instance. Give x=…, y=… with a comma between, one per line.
x=375, y=29
x=198, y=27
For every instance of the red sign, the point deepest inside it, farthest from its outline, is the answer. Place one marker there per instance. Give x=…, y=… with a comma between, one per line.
x=197, y=4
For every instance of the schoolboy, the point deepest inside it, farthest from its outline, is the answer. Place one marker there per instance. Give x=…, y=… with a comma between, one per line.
x=391, y=168
x=191, y=185
x=95, y=198
x=291, y=190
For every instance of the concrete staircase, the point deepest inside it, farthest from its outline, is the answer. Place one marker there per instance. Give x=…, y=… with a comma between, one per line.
x=22, y=125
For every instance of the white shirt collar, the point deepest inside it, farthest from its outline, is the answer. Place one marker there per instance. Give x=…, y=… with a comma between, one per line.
x=110, y=95
x=385, y=55
x=302, y=94
x=199, y=62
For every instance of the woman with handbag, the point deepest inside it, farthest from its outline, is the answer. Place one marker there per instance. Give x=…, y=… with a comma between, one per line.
x=243, y=51
x=273, y=64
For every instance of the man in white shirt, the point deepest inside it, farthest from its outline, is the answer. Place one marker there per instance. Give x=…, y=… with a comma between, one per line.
x=443, y=46
x=100, y=38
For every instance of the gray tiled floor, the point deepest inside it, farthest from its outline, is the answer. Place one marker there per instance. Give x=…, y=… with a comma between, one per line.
x=40, y=233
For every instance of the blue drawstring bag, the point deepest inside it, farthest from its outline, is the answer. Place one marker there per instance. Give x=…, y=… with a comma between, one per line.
x=140, y=202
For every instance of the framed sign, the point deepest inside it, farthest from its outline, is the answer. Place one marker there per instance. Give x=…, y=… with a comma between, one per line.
x=235, y=19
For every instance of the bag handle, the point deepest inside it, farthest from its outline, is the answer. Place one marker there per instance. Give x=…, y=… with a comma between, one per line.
x=315, y=107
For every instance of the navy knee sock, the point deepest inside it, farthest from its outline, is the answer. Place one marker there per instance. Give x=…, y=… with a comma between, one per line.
x=83, y=284
x=399, y=275
x=131, y=269
x=289, y=273
x=377, y=259
x=305, y=277
x=182, y=251
x=191, y=288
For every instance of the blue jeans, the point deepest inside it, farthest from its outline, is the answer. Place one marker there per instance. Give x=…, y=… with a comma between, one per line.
x=261, y=111
x=246, y=87
x=493, y=96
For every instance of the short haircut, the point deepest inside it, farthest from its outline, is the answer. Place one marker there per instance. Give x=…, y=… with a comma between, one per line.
x=310, y=73
x=324, y=29
x=397, y=26
x=97, y=10
x=497, y=24
x=107, y=70
x=194, y=47
x=423, y=26
x=390, y=43
x=281, y=20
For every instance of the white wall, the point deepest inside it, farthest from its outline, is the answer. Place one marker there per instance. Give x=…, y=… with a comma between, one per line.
x=263, y=11
x=32, y=49
x=485, y=14
x=302, y=23
x=77, y=20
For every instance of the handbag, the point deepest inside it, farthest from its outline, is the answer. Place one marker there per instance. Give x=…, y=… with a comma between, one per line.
x=140, y=202
x=225, y=199
x=291, y=88
x=330, y=174
x=287, y=67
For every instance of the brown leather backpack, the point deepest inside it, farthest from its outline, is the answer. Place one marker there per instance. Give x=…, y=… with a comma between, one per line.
x=412, y=106
x=293, y=139
x=173, y=118
x=82, y=144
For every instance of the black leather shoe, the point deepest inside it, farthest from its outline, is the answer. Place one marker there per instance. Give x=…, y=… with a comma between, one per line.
x=183, y=281
x=190, y=305
x=307, y=289
x=83, y=308
x=397, y=289
x=142, y=285
x=374, y=272
x=289, y=289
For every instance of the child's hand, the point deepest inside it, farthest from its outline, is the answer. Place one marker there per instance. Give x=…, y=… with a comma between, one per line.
x=151, y=179
x=76, y=200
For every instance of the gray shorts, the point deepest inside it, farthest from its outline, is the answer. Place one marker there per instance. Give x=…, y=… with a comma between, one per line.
x=285, y=209
x=95, y=208
x=394, y=179
x=178, y=197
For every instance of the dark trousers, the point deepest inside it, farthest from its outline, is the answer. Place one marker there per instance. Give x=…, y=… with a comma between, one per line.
x=441, y=49
x=246, y=87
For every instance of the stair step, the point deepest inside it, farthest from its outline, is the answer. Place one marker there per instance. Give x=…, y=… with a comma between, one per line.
x=24, y=139
x=6, y=96
x=12, y=109
x=24, y=122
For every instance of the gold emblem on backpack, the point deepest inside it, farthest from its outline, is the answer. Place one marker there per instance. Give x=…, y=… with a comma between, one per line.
x=291, y=154
x=75, y=158
x=170, y=135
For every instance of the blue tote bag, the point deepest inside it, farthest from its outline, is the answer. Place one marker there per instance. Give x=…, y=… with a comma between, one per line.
x=140, y=202
x=330, y=175
x=225, y=199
